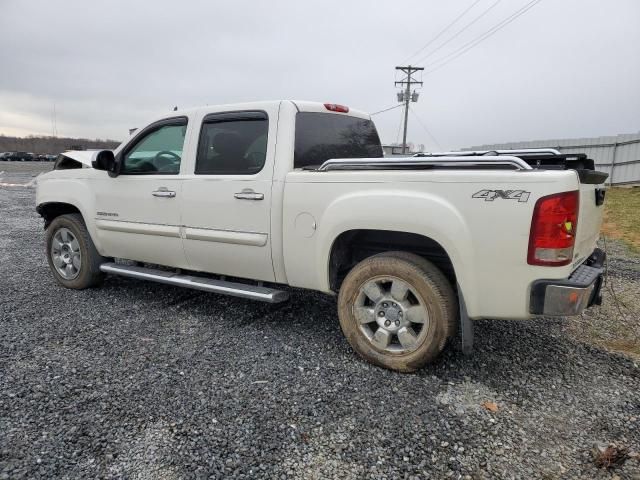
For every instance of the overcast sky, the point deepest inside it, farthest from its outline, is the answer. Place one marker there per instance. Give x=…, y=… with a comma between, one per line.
x=565, y=68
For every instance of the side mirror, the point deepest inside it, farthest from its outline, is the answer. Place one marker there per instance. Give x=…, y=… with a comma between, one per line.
x=105, y=160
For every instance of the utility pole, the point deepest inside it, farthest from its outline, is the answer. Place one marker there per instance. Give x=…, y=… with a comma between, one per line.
x=54, y=122
x=407, y=97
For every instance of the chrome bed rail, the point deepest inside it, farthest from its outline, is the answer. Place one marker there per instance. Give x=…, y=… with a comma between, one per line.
x=443, y=161
x=519, y=151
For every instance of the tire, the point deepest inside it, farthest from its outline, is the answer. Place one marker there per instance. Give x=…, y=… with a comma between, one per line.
x=397, y=310
x=71, y=254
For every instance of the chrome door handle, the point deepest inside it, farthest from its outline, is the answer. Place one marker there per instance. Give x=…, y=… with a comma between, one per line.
x=163, y=193
x=248, y=194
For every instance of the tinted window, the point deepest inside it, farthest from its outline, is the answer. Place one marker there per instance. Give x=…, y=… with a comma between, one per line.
x=157, y=152
x=232, y=144
x=322, y=136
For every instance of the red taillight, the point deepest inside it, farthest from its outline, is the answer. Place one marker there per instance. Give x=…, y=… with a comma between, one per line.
x=553, y=229
x=334, y=107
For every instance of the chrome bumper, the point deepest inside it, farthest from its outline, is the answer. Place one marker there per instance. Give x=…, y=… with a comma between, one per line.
x=573, y=295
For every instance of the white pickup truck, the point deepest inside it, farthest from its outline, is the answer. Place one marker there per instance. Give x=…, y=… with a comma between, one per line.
x=297, y=193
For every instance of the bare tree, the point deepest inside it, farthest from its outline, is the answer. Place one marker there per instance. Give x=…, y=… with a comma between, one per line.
x=51, y=145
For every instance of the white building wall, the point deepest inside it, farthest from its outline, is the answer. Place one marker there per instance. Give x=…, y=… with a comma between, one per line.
x=618, y=155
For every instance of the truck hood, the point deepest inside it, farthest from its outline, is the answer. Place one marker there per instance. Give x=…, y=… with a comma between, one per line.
x=85, y=157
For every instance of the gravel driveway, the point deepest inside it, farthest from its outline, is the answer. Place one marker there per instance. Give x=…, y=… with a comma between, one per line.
x=145, y=381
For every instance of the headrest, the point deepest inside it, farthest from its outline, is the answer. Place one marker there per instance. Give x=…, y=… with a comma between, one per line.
x=228, y=144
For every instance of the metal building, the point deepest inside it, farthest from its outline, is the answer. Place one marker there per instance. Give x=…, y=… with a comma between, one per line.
x=618, y=155
x=390, y=150
x=395, y=150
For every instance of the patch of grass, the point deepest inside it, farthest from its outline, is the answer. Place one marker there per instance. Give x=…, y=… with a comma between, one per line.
x=615, y=325
x=629, y=347
x=622, y=216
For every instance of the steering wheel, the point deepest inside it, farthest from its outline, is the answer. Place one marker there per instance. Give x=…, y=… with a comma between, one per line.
x=167, y=152
x=161, y=161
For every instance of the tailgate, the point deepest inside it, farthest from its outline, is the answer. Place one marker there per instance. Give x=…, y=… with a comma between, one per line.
x=589, y=220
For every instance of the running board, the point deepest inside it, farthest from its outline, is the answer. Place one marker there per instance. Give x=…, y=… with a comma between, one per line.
x=253, y=292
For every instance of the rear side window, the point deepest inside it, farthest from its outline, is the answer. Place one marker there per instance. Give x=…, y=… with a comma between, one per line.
x=323, y=136
x=232, y=144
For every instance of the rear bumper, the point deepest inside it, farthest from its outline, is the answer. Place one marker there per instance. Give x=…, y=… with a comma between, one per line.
x=573, y=295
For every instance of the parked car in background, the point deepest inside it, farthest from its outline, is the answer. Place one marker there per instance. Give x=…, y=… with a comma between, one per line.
x=27, y=157
x=45, y=157
x=18, y=156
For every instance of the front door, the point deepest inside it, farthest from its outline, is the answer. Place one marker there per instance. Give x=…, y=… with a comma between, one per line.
x=138, y=212
x=227, y=197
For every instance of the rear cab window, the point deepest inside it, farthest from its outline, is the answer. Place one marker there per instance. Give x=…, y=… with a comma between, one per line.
x=323, y=136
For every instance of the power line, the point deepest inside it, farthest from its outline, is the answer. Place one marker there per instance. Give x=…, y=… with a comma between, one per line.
x=487, y=10
x=480, y=38
x=465, y=48
x=385, y=110
x=442, y=31
x=426, y=129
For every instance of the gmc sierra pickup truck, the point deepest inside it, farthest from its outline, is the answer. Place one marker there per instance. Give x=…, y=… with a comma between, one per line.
x=297, y=193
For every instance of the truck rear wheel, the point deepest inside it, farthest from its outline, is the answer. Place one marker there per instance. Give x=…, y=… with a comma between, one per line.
x=397, y=310
x=71, y=254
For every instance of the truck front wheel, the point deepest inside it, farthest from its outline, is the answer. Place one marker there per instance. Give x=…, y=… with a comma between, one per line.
x=397, y=310
x=72, y=256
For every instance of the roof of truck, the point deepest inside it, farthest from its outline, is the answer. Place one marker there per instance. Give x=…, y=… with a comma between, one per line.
x=301, y=105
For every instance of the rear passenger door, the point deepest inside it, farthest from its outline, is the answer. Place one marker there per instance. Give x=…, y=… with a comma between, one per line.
x=226, y=199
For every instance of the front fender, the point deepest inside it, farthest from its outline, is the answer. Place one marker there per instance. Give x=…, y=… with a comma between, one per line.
x=72, y=191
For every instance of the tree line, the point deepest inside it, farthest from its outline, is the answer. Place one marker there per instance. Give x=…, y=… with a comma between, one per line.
x=52, y=145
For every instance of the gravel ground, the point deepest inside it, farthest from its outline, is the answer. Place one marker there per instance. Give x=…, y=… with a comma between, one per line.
x=144, y=381
x=17, y=169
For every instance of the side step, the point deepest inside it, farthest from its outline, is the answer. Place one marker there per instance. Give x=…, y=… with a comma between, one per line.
x=253, y=292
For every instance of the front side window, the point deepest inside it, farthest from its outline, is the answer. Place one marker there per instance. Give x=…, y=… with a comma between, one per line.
x=157, y=152
x=232, y=144
x=323, y=136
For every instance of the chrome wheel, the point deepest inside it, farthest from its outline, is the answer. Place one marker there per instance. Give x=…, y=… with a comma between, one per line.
x=65, y=253
x=391, y=314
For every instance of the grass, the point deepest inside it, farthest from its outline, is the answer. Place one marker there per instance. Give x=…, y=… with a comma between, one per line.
x=615, y=325
x=622, y=216
x=630, y=347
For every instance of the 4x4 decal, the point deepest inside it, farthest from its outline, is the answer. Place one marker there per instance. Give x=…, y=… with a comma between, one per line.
x=491, y=195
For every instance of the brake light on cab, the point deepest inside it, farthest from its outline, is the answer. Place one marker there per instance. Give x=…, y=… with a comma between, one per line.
x=553, y=229
x=334, y=107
